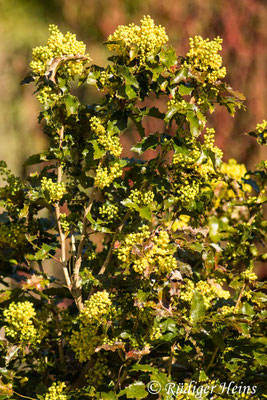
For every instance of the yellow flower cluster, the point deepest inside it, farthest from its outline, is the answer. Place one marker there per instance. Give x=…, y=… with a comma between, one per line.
x=235, y=171
x=261, y=131
x=47, y=95
x=65, y=225
x=147, y=254
x=203, y=56
x=209, y=291
x=109, y=211
x=190, y=159
x=206, y=169
x=142, y=198
x=105, y=177
x=85, y=341
x=19, y=317
x=249, y=276
x=262, y=127
x=187, y=191
x=180, y=104
x=104, y=77
x=142, y=40
x=109, y=141
x=13, y=234
x=95, y=308
x=55, y=190
x=181, y=222
x=59, y=45
x=226, y=310
x=155, y=333
x=55, y=392
x=100, y=370
x=185, y=160
x=209, y=142
x=97, y=126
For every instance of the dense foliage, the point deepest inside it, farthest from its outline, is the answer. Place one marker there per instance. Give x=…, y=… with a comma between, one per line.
x=169, y=294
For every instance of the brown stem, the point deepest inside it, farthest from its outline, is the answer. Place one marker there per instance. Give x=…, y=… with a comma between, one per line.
x=76, y=281
x=80, y=381
x=240, y=296
x=59, y=332
x=107, y=260
x=57, y=209
x=171, y=361
x=24, y=397
x=122, y=378
x=40, y=265
x=54, y=64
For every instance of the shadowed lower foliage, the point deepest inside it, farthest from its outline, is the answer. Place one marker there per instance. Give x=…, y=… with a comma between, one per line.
x=170, y=295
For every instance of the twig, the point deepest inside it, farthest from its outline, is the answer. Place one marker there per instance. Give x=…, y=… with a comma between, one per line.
x=240, y=296
x=39, y=248
x=59, y=332
x=76, y=281
x=40, y=265
x=122, y=378
x=57, y=209
x=54, y=64
x=171, y=361
x=107, y=260
x=79, y=382
x=24, y=397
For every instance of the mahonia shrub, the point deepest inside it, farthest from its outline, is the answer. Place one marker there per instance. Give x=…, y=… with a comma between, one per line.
x=157, y=253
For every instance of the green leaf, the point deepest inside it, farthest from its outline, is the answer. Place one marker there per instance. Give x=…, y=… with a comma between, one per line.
x=235, y=93
x=169, y=325
x=247, y=309
x=148, y=142
x=203, y=376
x=24, y=212
x=260, y=358
x=28, y=79
x=168, y=58
x=129, y=78
x=130, y=92
x=71, y=103
x=96, y=225
x=136, y=390
x=62, y=83
x=5, y=295
x=92, y=77
x=98, y=152
x=137, y=121
x=218, y=340
x=144, y=367
x=180, y=75
x=259, y=297
x=214, y=232
x=145, y=212
x=32, y=160
x=171, y=112
x=194, y=123
x=108, y=396
x=198, y=308
x=184, y=90
x=42, y=253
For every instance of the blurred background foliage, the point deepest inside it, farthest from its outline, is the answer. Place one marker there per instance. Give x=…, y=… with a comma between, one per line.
x=241, y=24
